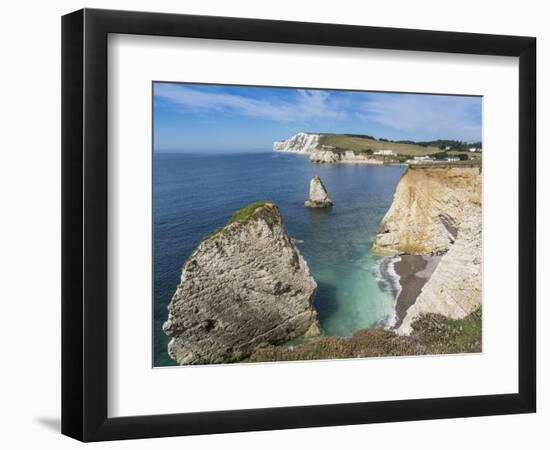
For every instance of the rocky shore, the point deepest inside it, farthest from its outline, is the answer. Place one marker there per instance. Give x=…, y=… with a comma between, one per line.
x=436, y=213
x=332, y=157
x=310, y=144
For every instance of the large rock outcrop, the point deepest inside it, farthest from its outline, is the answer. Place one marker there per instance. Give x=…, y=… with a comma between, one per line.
x=454, y=289
x=428, y=209
x=299, y=143
x=332, y=157
x=318, y=195
x=310, y=143
x=325, y=156
x=245, y=286
x=436, y=210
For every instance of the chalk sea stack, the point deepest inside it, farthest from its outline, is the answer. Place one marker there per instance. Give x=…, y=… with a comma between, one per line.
x=318, y=195
x=244, y=287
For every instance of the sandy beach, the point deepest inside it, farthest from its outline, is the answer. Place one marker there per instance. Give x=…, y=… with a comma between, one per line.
x=414, y=271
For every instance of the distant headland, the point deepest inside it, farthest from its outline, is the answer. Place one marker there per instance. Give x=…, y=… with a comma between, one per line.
x=366, y=149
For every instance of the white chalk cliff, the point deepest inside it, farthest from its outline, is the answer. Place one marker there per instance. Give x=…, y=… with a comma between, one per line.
x=309, y=143
x=436, y=210
x=428, y=208
x=299, y=143
x=454, y=289
x=330, y=157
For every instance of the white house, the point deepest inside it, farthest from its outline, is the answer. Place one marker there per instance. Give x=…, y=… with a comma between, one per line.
x=473, y=149
x=453, y=159
x=420, y=160
x=384, y=152
x=448, y=147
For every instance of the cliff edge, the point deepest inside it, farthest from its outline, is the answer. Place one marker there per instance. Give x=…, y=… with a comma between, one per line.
x=428, y=208
x=299, y=143
x=245, y=286
x=312, y=145
x=436, y=210
x=455, y=288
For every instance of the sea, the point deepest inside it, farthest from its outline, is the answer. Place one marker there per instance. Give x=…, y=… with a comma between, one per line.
x=193, y=194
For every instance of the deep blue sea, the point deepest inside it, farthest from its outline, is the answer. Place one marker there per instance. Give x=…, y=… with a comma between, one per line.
x=194, y=194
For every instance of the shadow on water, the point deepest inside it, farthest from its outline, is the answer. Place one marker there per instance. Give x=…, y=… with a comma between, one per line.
x=324, y=302
x=319, y=215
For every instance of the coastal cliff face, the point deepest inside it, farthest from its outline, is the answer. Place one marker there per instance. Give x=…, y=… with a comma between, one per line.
x=324, y=156
x=299, y=143
x=454, y=289
x=437, y=211
x=244, y=287
x=429, y=206
x=330, y=157
x=309, y=143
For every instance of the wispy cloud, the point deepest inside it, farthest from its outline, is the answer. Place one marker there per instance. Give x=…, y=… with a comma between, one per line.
x=426, y=116
x=303, y=106
x=389, y=115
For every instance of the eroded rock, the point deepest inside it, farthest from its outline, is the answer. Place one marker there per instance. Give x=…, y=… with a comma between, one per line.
x=245, y=286
x=428, y=208
x=318, y=195
x=436, y=210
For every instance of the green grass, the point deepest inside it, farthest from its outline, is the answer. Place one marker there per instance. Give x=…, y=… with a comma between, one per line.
x=453, y=336
x=402, y=158
x=360, y=144
x=432, y=334
x=242, y=215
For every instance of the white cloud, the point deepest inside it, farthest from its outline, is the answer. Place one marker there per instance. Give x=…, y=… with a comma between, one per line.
x=390, y=115
x=426, y=116
x=306, y=105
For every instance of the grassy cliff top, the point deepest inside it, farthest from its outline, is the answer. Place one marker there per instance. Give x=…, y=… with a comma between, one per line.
x=241, y=215
x=244, y=214
x=361, y=144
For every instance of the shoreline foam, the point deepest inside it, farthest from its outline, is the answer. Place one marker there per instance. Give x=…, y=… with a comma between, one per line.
x=386, y=275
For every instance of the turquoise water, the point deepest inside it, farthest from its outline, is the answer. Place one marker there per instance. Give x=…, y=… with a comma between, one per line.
x=194, y=194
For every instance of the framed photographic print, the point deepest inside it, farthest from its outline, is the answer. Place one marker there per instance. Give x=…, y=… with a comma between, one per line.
x=273, y=224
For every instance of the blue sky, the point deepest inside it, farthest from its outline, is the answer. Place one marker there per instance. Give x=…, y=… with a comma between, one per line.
x=217, y=118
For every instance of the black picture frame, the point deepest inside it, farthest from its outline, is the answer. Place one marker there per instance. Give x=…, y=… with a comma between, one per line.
x=84, y=224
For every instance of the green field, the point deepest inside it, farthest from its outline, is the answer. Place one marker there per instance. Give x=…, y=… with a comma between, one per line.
x=360, y=144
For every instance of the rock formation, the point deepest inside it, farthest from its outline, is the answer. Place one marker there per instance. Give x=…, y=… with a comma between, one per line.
x=324, y=156
x=309, y=143
x=454, y=289
x=331, y=157
x=428, y=208
x=245, y=286
x=299, y=143
x=318, y=195
x=436, y=210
